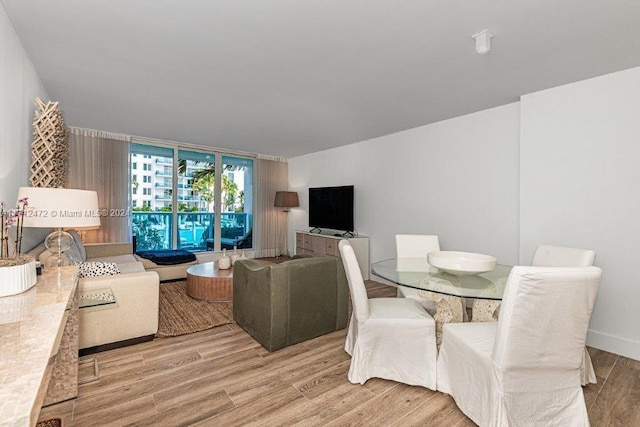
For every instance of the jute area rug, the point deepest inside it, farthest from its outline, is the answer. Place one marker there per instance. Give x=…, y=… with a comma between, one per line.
x=180, y=314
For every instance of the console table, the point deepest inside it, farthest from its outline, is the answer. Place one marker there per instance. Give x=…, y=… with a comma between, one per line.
x=316, y=244
x=39, y=347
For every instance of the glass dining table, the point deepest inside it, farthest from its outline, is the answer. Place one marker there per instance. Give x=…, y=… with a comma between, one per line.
x=448, y=291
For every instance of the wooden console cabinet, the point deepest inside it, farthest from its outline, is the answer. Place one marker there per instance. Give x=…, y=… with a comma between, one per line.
x=327, y=245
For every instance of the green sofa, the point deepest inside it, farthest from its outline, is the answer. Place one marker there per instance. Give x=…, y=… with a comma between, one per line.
x=283, y=304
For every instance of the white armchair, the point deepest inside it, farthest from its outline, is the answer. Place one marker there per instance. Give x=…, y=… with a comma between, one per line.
x=135, y=313
x=137, y=293
x=525, y=368
x=416, y=246
x=390, y=338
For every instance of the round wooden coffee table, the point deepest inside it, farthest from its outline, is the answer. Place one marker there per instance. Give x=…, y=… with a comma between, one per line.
x=206, y=281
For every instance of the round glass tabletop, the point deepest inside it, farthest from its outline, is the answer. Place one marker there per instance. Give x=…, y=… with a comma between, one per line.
x=418, y=274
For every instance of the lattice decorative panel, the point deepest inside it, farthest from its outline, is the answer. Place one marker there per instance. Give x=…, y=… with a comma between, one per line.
x=49, y=149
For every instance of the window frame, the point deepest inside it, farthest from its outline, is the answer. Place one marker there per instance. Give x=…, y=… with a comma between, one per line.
x=218, y=157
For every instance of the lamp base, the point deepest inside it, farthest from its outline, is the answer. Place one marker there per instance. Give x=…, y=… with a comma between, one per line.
x=57, y=242
x=57, y=260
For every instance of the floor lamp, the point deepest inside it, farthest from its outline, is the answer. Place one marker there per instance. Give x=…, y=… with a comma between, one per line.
x=60, y=208
x=287, y=200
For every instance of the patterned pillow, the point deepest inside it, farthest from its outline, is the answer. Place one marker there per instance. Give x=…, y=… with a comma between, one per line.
x=97, y=269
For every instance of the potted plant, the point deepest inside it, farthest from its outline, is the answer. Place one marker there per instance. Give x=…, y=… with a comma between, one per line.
x=17, y=271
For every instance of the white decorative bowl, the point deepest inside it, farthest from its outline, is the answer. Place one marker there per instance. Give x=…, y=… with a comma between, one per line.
x=461, y=263
x=17, y=278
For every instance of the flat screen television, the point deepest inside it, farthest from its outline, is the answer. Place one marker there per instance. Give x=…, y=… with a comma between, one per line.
x=331, y=207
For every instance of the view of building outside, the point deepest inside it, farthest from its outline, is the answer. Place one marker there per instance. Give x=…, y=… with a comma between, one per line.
x=152, y=188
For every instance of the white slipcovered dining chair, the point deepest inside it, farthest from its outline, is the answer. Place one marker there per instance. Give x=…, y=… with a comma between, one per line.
x=524, y=369
x=390, y=338
x=560, y=256
x=416, y=246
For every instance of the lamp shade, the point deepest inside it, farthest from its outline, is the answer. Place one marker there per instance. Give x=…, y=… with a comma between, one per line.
x=286, y=199
x=60, y=208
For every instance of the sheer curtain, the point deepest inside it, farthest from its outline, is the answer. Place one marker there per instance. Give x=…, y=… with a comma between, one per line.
x=100, y=161
x=271, y=222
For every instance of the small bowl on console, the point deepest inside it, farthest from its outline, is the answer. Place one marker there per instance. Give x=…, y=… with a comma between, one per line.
x=461, y=263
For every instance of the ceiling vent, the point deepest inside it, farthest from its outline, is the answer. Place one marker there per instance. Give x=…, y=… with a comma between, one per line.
x=483, y=41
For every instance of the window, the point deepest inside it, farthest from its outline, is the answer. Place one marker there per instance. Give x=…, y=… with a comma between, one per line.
x=151, y=220
x=134, y=191
x=196, y=186
x=134, y=165
x=206, y=204
x=237, y=202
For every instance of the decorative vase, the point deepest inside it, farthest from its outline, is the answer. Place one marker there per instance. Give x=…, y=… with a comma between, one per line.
x=224, y=262
x=17, y=275
x=235, y=255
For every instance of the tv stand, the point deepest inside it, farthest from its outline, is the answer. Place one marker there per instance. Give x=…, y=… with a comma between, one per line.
x=346, y=234
x=315, y=244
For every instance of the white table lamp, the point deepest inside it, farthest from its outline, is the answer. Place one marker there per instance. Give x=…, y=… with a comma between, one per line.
x=60, y=208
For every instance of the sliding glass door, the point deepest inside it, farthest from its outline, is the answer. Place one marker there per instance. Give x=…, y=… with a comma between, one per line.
x=206, y=197
x=151, y=196
x=237, y=203
x=195, y=200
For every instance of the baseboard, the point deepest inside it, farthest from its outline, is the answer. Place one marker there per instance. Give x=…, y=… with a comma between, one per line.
x=613, y=344
x=111, y=346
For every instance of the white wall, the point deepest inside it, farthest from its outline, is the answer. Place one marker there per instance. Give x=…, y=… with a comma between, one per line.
x=457, y=178
x=580, y=180
x=19, y=85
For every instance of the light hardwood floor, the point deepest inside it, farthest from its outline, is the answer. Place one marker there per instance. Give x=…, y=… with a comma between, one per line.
x=222, y=377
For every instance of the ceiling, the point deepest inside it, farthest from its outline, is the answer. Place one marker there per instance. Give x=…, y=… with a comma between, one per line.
x=290, y=77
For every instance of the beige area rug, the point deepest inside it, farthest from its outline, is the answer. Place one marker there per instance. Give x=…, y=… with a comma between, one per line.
x=180, y=314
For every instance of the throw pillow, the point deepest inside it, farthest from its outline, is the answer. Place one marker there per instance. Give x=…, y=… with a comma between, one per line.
x=97, y=269
x=80, y=250
x=74, y=253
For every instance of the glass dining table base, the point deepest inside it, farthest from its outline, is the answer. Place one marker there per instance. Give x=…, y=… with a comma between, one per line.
x=485, y=310
x=449, y=309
